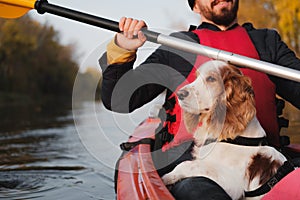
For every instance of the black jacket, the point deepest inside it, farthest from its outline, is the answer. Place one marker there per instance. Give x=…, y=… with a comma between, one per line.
x=125, y=89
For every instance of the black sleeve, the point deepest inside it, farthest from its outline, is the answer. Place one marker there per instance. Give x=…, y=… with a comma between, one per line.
x=125, y=89
x=289, y=90
x=272, y=49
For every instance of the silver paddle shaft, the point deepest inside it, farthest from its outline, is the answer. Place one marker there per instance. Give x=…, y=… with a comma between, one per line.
x=229, y=57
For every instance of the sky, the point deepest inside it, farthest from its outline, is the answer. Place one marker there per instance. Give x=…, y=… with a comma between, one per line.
x=160, y=15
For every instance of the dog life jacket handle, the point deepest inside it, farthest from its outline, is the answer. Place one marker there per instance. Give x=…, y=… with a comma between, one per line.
x=127, y=146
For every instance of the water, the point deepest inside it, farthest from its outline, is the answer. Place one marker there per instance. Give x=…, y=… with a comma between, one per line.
x=56, y=152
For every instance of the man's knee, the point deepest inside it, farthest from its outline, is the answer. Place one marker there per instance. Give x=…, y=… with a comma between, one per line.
x=198, y=188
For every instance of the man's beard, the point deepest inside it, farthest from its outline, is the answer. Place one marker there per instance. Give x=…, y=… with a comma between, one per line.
x=226, y=17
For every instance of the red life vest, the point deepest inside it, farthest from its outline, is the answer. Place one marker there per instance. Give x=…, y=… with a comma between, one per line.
x=237, y=41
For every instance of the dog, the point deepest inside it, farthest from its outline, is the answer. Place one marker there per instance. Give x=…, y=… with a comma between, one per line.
x=219, y=106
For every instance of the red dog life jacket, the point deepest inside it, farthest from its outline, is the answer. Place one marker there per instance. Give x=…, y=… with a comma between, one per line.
x=236, y=41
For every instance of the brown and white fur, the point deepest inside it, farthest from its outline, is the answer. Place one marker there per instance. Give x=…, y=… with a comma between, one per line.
x=221, y=99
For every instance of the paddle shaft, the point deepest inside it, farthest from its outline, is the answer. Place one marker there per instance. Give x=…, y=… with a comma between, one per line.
x=42, y=6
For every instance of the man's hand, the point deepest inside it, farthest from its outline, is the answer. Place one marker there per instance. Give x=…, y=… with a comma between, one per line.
x=131, y=37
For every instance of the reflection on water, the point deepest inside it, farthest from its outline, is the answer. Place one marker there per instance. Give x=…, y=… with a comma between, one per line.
x=43, y=150
x=42, y=157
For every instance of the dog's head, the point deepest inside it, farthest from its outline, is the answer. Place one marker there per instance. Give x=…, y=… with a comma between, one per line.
x=221, y=97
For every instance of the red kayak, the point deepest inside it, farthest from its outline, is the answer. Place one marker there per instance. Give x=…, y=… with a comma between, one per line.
x=138, y=179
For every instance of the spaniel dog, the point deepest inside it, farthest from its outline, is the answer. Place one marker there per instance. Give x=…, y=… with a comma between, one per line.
x=218, y=106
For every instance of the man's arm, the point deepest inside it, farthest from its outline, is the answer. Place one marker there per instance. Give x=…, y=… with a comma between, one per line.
x=289, y=90
x=120, y=81
x=272, y=49
x=125, y=89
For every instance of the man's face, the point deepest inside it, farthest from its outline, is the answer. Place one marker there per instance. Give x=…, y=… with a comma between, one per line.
x=220, y=12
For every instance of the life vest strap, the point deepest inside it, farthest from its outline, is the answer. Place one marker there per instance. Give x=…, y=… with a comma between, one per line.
x=287, y=167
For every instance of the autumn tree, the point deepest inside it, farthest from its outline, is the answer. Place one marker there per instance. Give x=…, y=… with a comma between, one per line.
x=87, y=85
x=281, y=15
x=289, y=22
x=33, y=61
x=259, y=12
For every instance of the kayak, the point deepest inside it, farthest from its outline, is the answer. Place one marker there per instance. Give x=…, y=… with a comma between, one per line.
x=137, y=177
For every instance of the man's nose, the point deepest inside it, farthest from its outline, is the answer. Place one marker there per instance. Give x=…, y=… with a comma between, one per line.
x=181, y=94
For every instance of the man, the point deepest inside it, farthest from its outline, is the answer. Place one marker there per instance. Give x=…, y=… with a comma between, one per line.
x=125, y=89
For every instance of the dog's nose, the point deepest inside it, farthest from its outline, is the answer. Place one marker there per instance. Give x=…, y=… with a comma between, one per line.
x=182, y=94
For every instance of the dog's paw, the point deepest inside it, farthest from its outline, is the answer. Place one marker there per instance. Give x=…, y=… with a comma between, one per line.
x=170, y=179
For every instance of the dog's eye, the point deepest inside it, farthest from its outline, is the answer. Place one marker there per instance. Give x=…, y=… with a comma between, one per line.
x=210, y=79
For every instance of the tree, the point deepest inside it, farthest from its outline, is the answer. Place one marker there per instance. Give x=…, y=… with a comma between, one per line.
x=289, y=22
x=33, y=61
x=87, y=85
x=259, y=12
x=281, y=15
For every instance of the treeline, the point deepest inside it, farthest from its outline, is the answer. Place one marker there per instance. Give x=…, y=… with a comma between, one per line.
x=32, y=60
x=279, y=14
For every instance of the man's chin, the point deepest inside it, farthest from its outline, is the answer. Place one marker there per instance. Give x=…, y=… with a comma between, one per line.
x=225, y=18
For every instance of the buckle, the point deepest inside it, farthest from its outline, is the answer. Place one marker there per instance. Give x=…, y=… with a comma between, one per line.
x=272, y=182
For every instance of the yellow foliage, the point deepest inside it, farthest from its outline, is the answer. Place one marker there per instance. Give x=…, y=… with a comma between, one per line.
x=289, y=21
x=282, y=15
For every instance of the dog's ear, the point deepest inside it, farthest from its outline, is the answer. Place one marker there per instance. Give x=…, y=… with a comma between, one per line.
x=240, y=105
x=191, y=121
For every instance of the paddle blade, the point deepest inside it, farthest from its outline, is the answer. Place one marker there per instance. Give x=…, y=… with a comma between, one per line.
x=15, y=8
x=7, y=11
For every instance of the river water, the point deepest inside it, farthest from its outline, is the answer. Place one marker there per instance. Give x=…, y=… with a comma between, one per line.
x=56, y=151
x=59, y=152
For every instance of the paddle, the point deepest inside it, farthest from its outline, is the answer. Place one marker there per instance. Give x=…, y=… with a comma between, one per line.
x=17, y=8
